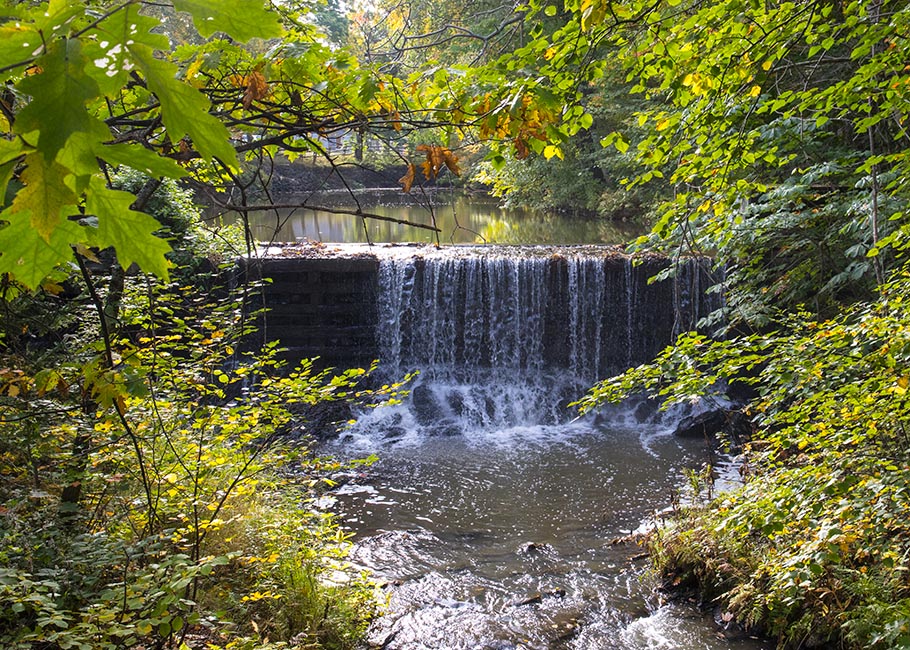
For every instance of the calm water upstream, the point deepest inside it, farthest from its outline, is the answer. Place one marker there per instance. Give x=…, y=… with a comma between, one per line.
x=462, y=219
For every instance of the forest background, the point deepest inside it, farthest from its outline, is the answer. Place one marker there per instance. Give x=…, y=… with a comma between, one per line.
x=154, y=488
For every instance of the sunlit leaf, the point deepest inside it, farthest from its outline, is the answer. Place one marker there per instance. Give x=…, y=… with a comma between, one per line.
x=28, y=256
x=185, y=109
x=45, y=194
x=128, y=231
x=58, y=97
x=241, y=19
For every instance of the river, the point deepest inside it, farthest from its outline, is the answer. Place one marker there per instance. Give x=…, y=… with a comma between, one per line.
x=513, y=535
x=493, y=517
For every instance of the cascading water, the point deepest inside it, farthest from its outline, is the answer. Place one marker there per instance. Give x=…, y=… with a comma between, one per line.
x=490, y=511
x=506, y=338
x=583, y=313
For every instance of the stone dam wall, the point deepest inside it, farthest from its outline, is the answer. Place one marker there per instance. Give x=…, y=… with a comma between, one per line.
x=588, y=309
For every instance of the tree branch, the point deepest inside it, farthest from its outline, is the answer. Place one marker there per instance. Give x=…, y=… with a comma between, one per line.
x=316, y=208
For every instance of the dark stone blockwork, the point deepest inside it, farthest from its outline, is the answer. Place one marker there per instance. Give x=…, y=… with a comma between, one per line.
x=593, y=312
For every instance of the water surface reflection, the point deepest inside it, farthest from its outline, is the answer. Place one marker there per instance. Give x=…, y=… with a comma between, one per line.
x=462, y=218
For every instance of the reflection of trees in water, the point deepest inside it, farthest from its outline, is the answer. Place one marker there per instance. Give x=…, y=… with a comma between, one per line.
x=554, y=229
x=462, y=219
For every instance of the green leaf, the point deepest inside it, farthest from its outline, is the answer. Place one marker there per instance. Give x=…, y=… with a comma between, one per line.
x=111, y=43
x=241, y=19
x=45, y=194
x=6, y=173
x=10, y=151
x=184, y=109
x=621, y=145
x=59, y=95
x=29, y=257
x=79, y=154
x=18, y=43
x=131, y=233
x=141, y=159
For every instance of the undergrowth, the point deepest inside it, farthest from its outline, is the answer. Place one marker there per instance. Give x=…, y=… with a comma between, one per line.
x=814, y=548
x=156, y=487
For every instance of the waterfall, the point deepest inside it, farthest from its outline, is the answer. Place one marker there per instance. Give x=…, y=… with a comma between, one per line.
x=584, y=314
x=506, y=338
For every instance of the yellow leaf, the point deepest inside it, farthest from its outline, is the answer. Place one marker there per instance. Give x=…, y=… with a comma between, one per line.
x=52, y=287
x=87, y=253
x=121, y=404
x=45, y=194
x=193, y=70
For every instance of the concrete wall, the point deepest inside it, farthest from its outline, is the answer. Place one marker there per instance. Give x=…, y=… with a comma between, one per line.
x=328, y=308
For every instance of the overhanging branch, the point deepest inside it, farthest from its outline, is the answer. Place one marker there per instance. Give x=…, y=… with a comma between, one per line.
x=316, y=208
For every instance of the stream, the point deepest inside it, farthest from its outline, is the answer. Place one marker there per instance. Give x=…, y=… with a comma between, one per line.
x=505, y=536
x=494, y=517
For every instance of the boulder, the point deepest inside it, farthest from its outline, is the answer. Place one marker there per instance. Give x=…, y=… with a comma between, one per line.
x=703, y=425
x=425, y=406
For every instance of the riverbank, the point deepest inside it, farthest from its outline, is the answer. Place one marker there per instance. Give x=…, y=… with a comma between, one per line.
x=814, y=549
x=298, y=177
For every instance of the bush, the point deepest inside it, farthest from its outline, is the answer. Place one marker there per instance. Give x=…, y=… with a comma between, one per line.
x=815, y=546
x=161, y=490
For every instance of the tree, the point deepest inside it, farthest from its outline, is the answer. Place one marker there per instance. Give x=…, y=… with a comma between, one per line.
x=783, y=126
x=130, y=474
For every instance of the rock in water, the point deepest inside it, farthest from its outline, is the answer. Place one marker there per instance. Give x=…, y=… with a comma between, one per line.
x=703, y=425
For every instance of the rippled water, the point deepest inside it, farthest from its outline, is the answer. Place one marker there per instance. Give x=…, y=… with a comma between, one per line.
x=494, y=536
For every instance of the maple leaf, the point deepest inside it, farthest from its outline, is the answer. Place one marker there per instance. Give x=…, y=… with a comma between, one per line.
x=184, y=110
x=437, y=158
x=59, y=95
x=28, y=256
x=242, y=19
x=131, y=233
x=45, y=194
x=451, y=161
x=256, y=88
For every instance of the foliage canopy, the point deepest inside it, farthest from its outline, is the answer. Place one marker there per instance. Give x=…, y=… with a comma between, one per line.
x=777, y=132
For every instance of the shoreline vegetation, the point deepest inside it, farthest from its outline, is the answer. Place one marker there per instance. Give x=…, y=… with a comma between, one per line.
x=156, y=480
x=773, y=135
x=814, y=549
